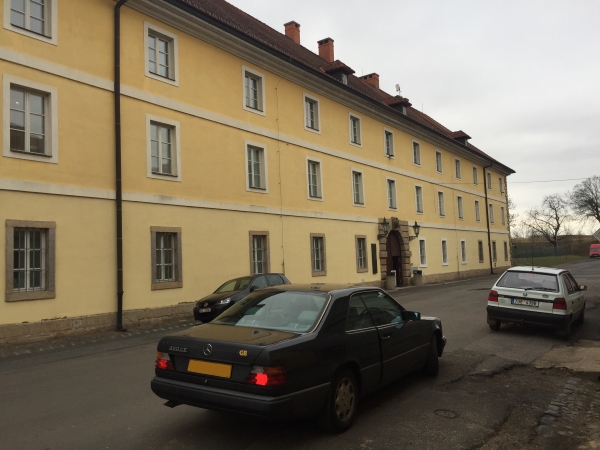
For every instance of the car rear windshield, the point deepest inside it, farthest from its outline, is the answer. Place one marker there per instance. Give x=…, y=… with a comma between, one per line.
x=277, y=310
x=234, y=285
x=529, y=281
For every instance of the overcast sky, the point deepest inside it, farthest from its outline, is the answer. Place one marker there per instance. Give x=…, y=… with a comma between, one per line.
x=522, y=78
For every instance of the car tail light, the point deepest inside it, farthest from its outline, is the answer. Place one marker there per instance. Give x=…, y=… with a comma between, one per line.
x=559, y=303
x=163, y=361
x=267, y=376
x=493, y=296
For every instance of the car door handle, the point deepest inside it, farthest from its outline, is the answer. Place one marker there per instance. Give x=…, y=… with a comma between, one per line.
x=385, y=338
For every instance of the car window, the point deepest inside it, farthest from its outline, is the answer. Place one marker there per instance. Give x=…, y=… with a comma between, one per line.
x=383, y=309
x=358, y=315
x=260, y=282
x=274, y=280
x=573, y=282
x=234, y=285
x=529, y=281
x=568, y=285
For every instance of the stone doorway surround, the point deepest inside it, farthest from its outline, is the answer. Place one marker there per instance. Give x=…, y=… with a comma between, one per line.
x=400, y=227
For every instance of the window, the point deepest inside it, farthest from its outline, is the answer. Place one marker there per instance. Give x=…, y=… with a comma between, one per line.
x=34, y=18
x=391, y=192
x=505, y=251
x=254, y=91
x=463, y=251
x=480, y=251
x=163, y=149
x=475, y=176
x=355, y=133
x=259, y=252
x=362, y=264
x=256, y=163
x=32, y=131
x=358, y=197
x=500, y=185
x=30, y=260
x=311, y=114
x=166, y=258
x=494, y=254
x=317, y=251
x=344, y=78
x=441, y=206
x=491, y=213
x=460, y=208
x=477, y=214
x=457, y=168
x=444, y=252
x=489, y=181
x=419, y=198
x=313, y=173
x=422, y=253
x=358, y=317
x=388, y=143
x=416, y=153
x=503, y=216
x=438, y=161
x=160, y=54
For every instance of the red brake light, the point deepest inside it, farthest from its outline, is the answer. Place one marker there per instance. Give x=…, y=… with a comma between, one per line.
x=559, y=303
x=163, y=362
x=493, y=296
x=267, y=376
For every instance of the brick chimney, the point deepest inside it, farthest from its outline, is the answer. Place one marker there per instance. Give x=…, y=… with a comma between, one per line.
x=292, y=30
x=326, y=49
x=372, y=79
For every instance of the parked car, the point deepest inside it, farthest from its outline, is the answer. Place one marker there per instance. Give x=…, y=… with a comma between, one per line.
x=537, y=295
x=595, y=251
x=209, y=307
x=297, y=350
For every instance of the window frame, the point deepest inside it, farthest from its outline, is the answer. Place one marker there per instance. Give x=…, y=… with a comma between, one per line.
x=441, y=202
x=323, y=272
x=267, y=251
x=489, y=181
x=319, y=198
x=362, y=187
x=263, y=167
x=312, y=99
x=444, y=246
x=439, y=169
x=387, y=132
x=477, y=211
x=457, y=169
x=161, y=33
x=394, y=198
x=353, y=116
x=494, y=252
x=505, y=250
x=175, y=147
x=502, y=215
x=475, y=176
x=50, y=36
x=365, y=267
x=50, y=94
x=262, y=104
x=416, y=151
x=460, y=207
x=50, y=261
x=463, y=251
x=422, y=255
x=491, y=212
x=480, y=251
x=501, y=185
x=417, y=188
x=177, y=259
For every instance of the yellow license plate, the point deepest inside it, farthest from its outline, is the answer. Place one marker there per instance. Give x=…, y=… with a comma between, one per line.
x=210, y=368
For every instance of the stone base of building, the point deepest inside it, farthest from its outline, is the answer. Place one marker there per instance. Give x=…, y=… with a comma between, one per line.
x=30, y=332
x=453, y=276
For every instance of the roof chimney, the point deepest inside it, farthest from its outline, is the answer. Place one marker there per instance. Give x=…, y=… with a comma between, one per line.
x=326, y=49
x=372, y=79
x=292, y=30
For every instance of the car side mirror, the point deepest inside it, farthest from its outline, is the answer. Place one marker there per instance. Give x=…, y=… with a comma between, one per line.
x=411, y=315
x=583, y=287
x=253, y=288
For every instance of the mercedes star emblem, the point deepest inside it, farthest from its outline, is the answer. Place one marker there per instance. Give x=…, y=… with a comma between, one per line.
x=207, y=349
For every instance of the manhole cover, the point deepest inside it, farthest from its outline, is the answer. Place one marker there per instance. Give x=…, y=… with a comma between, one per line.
x=446, y=413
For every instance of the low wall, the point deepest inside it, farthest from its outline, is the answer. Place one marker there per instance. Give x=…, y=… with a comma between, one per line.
x=453, y=276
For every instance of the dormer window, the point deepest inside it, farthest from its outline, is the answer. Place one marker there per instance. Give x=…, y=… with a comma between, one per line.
x=344, y=78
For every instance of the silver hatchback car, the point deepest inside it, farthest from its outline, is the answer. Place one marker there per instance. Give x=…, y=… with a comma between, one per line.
x=539, y=296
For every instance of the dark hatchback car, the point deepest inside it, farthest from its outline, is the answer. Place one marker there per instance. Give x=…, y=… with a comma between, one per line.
x=230, y=292
x=292, y=351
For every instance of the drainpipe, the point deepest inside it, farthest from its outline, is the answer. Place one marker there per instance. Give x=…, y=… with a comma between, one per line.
x=119, y=196
x=487, y=217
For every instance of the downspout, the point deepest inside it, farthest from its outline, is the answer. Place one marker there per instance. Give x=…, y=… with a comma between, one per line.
x=487, y=217
x=119, y=193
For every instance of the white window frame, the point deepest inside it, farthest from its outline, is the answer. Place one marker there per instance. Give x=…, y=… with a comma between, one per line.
x=306, y=98
x=489, y=181
x=501, y=185
x=460, y=207
x=422, y=255
x=323, y=259
x=177, y=279
x=319, y=179
x=51, y=119
x=263, y=167
x=352, y=116
x=494, y=252
x=502, y=215
x=394, y=197
x=262, y=104
x=491, y=212
x=254, y=262
x=441, y=202
x=477, y=211
x=480, y=254
x=387, y=132
x=175, y=148
x=444, y=256
x=439, y=169
x=463, y=251
x=475, y=176
x=457, y=169
x=161, y=33
x=365, y=256
x=51, y=19
x=417, y=199
x=362, y=187
x=505, y=250
x=418, y=153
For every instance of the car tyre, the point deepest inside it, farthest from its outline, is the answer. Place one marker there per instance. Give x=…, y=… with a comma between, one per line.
x=432, y=367
x=581, y=317
x=565, y=333
x=340, y=407
x=495, y=325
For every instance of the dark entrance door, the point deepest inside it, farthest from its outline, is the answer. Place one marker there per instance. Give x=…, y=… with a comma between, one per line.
x=393, y=255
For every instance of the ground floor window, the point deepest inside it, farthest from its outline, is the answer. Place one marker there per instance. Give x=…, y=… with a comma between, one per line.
x=505, y=251
x=463, y=251
x=259, y=252
x=317, y=247
x=422, y=253
x=362, y=264
x=494, y=254
x=444, y=252
x=166, y=258
x=480, y=250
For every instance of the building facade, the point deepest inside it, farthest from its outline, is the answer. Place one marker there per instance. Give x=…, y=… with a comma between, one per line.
x=241, y=152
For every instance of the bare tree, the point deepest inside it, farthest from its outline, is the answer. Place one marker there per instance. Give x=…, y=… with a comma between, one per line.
x=585, y=199
x=550, y=219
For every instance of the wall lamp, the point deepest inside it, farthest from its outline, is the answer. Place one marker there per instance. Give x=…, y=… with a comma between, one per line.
x=416, y=228
x=385, y=227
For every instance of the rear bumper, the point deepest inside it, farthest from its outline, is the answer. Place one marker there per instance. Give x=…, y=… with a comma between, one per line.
x=556, y=321
x=302, y=403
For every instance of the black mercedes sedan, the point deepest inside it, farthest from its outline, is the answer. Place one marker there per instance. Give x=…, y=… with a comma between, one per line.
x=297, y=350
x=231, y=291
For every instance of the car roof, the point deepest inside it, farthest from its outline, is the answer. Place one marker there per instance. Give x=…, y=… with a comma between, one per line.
x=537, y=269
x=330, y=288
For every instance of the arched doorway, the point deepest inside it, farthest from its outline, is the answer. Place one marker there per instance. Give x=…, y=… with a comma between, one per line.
x=394, y=253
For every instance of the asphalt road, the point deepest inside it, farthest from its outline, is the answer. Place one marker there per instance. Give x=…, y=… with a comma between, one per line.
x=94, y=393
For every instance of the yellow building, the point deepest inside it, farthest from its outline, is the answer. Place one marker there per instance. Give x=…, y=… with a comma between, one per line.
x=240, y=152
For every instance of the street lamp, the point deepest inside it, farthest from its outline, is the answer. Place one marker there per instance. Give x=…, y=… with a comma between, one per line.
x=385, y=227
x=416, y=228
